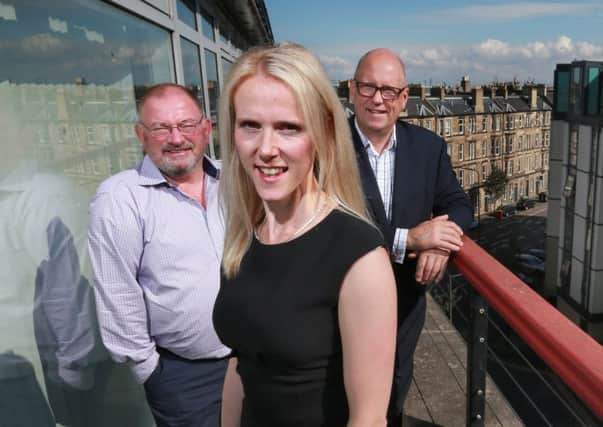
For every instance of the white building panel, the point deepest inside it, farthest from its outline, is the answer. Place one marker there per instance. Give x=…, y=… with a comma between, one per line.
x=553, y=219
x=596, y=292
x=559, y=140
x=556, y=174
x=581, y=193
x=578, y=238
x=597, y=249
x=585, y=135
x=576, y=280
x=561, y=225
x=552, y=263
x=600, y=142
x=598, y=200
x=558, y=269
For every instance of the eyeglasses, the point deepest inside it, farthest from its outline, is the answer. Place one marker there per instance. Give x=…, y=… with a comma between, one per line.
x=388, y=93
x=187, y=128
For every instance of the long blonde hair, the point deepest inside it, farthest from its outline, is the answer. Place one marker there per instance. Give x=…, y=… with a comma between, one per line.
x=335, y=165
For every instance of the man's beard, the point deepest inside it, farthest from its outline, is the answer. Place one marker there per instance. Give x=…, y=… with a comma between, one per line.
x=176, y=168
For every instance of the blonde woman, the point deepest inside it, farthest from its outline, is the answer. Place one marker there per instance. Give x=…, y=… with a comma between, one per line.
x=307, y=299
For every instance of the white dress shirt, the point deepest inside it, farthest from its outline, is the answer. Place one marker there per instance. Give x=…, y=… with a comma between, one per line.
x=383, y=165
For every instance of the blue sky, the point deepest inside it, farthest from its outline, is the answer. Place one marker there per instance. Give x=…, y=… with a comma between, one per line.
x=444, y=40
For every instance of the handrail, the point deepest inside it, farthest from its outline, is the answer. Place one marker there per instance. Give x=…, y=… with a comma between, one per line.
x=570, y=352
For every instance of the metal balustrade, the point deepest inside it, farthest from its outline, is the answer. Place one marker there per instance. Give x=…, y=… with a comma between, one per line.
x=569, y=352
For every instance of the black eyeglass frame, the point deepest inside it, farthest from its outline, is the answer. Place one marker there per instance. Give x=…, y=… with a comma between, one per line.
x=388, y=93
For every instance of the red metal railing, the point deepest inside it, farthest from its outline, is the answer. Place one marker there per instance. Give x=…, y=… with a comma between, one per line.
x=569, y=351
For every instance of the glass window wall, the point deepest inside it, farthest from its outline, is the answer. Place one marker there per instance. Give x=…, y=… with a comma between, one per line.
x=191, y=64
x=213, y=92
x=226, y=66
x=562, y=90
x=186, y=12
x=207, y=25
x=592, y=90
x=70, y=76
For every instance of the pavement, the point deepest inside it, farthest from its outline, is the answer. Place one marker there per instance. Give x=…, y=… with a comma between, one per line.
x=437, y=397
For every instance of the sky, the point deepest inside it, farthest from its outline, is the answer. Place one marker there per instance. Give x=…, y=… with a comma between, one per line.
x=441, y=41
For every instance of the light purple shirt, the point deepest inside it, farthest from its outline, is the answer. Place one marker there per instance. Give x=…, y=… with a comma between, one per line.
x=156, y=256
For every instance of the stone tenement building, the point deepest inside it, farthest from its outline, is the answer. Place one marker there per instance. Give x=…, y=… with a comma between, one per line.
x=507, y=126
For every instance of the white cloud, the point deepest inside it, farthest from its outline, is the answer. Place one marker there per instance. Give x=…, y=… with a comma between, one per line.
x=509, y=11
x=7, y=11
x=333, y=60
x=57, y=25
x=337, y=66
x=493, y=48
x=589, y=50
x=92, y=36
x=488, y=60
x=42, y=42
x=563, y=45
x=536, y=50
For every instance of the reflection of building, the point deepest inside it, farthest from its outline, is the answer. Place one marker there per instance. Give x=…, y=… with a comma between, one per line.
x=70, y=77
x=83, y=130
x=575, y=218
x=506, y=126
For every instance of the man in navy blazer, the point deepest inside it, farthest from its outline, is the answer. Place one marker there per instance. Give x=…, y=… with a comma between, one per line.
x=413, y=195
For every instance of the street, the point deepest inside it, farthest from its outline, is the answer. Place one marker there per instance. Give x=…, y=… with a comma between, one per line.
x=510, y=236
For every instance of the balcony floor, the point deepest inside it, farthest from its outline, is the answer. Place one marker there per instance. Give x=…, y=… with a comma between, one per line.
x=437, y=395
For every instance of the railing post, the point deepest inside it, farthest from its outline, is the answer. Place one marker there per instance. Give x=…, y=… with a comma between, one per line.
x=477, y=357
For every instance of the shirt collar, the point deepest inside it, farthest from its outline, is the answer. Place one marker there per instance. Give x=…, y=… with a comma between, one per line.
x=391, y=145
x=151, y=175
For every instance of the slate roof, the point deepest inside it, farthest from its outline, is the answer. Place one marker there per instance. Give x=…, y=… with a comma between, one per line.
x=459, y=105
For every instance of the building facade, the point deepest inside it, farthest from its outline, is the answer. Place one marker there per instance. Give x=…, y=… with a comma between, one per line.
x=503, y=127
x=506, y=126
x=574, y=232
x=70, y=77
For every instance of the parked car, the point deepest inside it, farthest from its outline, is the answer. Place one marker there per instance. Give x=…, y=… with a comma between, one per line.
x=536, y=252
x=530, y=263
x=524, y=204
x=528, y=280
x=508, y=210
x=504, y=211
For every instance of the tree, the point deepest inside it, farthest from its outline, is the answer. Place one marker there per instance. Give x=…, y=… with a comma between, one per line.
x=495, y=184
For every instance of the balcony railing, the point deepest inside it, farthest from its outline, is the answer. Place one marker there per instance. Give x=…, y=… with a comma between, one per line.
x=567, y=350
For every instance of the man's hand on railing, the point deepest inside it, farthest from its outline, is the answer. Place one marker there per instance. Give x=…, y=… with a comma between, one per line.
x=431, y=265
x=437, y=232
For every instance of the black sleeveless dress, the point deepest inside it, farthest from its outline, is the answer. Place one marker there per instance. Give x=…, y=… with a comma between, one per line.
x=279, y=315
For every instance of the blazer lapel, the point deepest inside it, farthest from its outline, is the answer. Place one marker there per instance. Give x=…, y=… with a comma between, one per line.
x=369, y=184
x=403, y=178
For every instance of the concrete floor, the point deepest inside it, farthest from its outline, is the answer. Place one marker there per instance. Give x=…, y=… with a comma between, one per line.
x=437, y=395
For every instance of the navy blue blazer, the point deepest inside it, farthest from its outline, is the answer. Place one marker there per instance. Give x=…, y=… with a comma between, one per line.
x=424, y=185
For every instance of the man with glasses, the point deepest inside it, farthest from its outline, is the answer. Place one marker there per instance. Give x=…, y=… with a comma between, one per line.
x=155, y=241
x=413, y=195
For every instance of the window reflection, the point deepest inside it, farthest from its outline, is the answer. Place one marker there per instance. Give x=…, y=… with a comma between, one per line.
x=592, y=90
x=186, y=13
x=69, y=79
x=191, y=63
x=207, y=25
x=226, y=66
x=213, y=91
x=224, y=35
x=562, y=91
